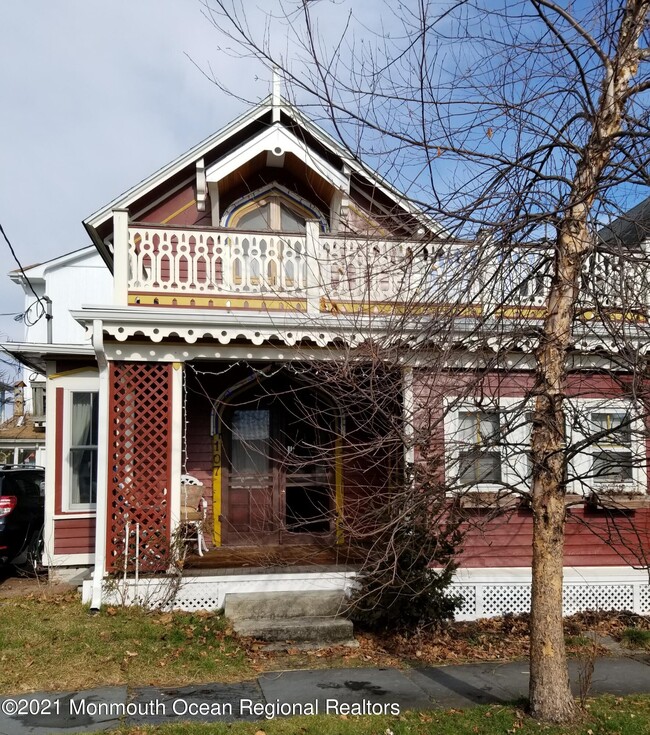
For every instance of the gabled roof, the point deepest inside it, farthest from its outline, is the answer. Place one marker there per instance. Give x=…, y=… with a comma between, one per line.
x=21, y=427
x=631, y=229
x=238, y=132
x=37, y=271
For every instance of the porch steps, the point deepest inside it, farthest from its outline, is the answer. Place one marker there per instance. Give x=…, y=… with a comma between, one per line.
x=313, y=618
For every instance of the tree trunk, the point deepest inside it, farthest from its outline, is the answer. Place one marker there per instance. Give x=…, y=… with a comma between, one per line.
x=550, y=694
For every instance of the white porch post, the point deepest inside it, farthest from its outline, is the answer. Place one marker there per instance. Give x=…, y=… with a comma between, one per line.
x=121, y=256
x=101, y=518
x=408, y=409
x=176, y=445
x=312, y=259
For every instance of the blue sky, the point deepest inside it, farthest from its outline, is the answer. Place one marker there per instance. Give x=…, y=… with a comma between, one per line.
x=96, y=95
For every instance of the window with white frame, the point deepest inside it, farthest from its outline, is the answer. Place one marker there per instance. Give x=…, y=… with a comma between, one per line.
x=274, y=208
x=479, y=455
x=613, y=458
x=82, y=449
x=488, y=445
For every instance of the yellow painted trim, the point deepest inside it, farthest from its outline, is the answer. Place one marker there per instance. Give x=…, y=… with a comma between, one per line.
x=618, y=316
x=218, y=302
x=338, y=487
x=522, y=312
x=178, y=211
x=74, y=371
x=216, y=489
x=390, y=307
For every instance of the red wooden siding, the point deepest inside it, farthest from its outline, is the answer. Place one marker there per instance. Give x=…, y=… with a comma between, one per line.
x=74, y=536
x=139, y=478
x=178, y=209
x=593, y=538
x=199, y=444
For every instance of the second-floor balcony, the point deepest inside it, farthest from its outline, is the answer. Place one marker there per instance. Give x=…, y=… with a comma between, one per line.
x=316, y=272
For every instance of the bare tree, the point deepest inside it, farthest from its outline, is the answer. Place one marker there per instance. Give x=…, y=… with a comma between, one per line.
x=522, y=126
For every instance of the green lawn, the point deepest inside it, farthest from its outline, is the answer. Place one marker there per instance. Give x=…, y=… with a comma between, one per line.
x=54, y=643
x=604, y=716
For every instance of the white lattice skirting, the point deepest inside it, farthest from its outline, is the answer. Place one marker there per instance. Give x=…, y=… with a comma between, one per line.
x=208, y=592
x=486, y=592
x=489, y=593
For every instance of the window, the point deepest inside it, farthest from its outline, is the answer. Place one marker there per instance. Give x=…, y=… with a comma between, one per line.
x=488, y=444
x=258, y=218
x=610, y=437
x=38, y=400
x=82, y=449
x=612, y=456
x=272, y=208
x=480, y=462
x=250, y=441
x=269, y=213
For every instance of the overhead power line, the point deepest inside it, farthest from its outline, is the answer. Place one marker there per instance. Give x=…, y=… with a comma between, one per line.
x=25, y=276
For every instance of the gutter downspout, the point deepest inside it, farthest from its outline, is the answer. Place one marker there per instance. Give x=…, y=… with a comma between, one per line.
x=102, y=468
x=48, y=318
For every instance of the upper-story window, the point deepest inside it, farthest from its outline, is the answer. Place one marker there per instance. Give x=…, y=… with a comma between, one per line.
x=272, y=208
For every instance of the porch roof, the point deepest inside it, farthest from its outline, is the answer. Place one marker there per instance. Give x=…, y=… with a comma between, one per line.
x=35, y=355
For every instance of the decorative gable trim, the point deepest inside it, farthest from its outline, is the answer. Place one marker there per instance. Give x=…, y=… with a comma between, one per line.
x=278, y=141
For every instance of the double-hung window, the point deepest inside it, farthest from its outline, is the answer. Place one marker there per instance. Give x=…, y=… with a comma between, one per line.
x=479, y=456
x=612, y=455
x=610, y=442
x=488, y=444
x=82, y=449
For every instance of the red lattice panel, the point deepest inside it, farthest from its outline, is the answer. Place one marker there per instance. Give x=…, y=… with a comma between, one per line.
x=139, y=473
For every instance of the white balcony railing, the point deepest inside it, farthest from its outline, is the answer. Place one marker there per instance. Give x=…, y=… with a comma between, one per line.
x=316, y=269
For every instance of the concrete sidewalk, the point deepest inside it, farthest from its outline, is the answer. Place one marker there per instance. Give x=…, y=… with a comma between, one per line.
x=334, y=691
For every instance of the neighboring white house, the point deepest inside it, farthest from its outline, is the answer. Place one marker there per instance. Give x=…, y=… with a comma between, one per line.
x=61, y=284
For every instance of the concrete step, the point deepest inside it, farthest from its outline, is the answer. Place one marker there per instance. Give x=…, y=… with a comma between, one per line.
x=272, y=605
x=322, y=630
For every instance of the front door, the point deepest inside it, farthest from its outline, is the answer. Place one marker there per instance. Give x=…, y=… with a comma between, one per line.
x=277, y=481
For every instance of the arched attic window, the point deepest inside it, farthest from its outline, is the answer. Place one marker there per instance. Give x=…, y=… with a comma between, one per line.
x=272, y=208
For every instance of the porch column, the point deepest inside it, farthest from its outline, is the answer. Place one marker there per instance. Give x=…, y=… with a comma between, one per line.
x=313, y=259
x=408, y=411
x=177, y=389
x=121, y=256
x=102, y=468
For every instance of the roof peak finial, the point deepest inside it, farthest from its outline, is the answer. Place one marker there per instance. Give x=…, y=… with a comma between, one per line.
x=276, y=98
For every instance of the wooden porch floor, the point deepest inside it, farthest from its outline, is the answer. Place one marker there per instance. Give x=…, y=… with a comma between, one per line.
x=232, y=557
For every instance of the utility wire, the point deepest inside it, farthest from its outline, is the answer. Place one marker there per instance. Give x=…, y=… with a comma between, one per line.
x=22, y=270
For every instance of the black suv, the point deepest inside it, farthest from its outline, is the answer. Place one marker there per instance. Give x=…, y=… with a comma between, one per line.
x=22, y=512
